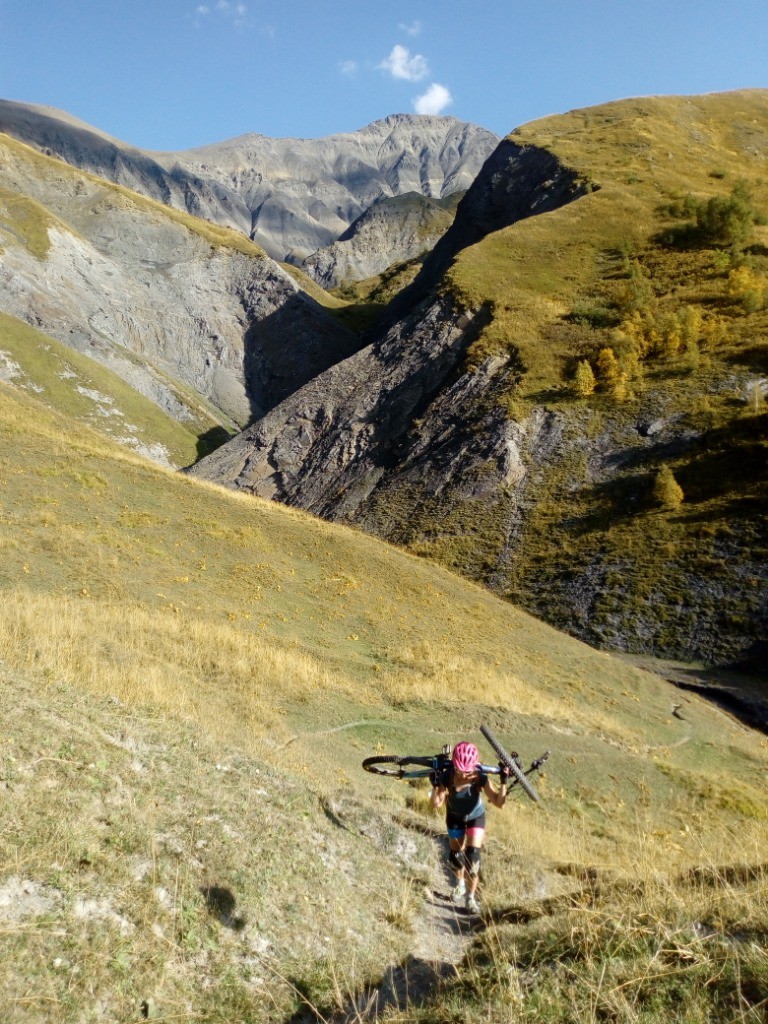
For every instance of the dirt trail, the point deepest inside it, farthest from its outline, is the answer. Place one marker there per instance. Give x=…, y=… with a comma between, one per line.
x=442, y=933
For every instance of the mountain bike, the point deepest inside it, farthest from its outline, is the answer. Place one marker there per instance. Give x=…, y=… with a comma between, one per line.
x=412, y=766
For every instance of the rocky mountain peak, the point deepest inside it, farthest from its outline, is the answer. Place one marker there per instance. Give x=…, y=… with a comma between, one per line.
x=291, y=196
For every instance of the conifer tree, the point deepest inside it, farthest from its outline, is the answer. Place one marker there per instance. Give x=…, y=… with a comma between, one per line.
x=584, y=380
x=666, y=490
x=608, y=369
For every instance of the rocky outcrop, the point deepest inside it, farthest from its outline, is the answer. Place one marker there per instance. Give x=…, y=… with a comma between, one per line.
x=328, y=447
x=392, y=230
x=178, y=314
x=291, y=196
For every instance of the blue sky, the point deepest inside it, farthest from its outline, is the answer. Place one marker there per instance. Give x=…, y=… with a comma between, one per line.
x=171, y=74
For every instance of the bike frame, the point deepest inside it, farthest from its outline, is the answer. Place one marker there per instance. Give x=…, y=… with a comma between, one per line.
x=412, y=767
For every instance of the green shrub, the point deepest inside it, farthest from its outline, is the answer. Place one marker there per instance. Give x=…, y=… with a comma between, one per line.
x=727, y=220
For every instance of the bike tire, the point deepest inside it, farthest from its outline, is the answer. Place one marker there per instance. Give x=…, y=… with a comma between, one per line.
x=389, y=765
x=510, y=763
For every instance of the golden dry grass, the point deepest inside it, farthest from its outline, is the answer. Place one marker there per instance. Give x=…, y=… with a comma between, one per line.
x=170, y=631
x=651, y=948
x=197, y=670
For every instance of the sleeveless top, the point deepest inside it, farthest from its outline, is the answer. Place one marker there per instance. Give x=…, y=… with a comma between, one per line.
x=466, y=803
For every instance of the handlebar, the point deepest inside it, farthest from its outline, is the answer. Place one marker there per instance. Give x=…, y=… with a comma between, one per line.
x=490, y=769
x=497, y=769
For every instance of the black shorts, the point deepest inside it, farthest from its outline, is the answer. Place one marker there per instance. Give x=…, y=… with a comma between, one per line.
x=457, y=826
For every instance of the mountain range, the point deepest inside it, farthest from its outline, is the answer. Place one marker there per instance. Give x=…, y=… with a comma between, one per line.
x=290, y=196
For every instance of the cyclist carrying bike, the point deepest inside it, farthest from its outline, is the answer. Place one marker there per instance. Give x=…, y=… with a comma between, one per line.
x=460, y=787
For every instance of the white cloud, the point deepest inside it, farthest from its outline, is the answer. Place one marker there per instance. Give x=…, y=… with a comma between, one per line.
x=348, y=67
x=433, y=101
x=234, y=12
x=411, y=30
x=401, y=63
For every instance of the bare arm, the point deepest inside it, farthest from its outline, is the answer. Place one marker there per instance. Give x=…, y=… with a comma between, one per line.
x=497, y=797
x=437, y=797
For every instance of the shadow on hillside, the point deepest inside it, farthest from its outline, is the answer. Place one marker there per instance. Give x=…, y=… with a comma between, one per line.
x=360, y=317
x=726, y=465
x=211, y=440
x=740, y=688
x=739, y=701
x=332, y=816
x=755, y=357
x=744, y=507
x=286, y=349
x=404, y=986
x=221, y=904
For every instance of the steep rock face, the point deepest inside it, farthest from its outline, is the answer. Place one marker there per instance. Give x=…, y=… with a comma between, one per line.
x=328, y=447
x=464, y=474
x=291, y=196
x=151, y=297
x=392, y=230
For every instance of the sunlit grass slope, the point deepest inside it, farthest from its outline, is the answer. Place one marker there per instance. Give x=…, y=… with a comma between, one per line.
x=189, y=681
x=690, y=948
x=264, y=624
x=638, y=156
x=71, y=383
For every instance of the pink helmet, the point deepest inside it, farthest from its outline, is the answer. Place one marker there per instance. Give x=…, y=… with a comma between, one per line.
x=465, y=757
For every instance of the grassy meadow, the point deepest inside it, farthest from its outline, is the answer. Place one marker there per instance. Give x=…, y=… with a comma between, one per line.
x=639, y=157
x=190, y=679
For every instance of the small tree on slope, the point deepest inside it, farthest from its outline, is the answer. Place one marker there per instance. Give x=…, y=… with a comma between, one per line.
x=666, y=490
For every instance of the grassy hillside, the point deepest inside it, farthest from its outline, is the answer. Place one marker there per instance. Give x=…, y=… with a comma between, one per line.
x=689, y=948
x=70, y=383
x=640, y=158
x=194, y=677
x=640, y=322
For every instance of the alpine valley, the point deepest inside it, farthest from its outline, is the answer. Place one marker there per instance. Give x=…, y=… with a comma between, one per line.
x=439, y=404
x=319, y=450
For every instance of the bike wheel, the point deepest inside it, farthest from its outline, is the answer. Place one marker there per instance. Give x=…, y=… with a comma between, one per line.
x=389, y=765
x=510, y=763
